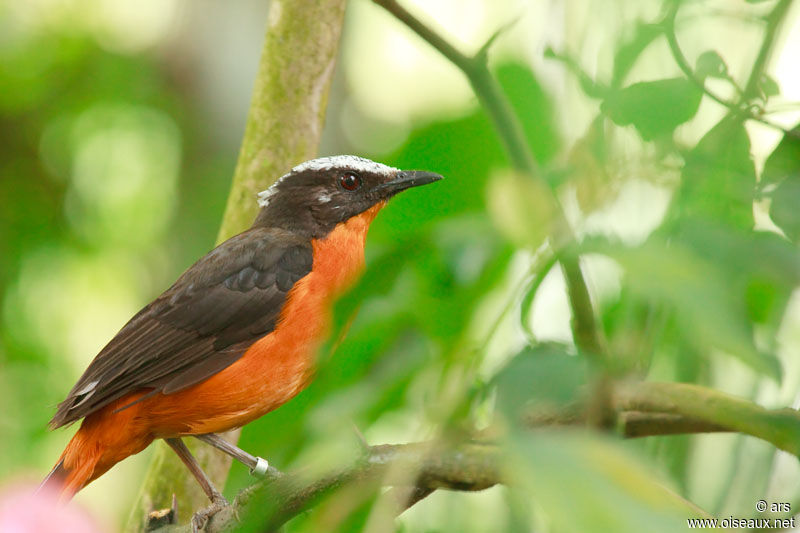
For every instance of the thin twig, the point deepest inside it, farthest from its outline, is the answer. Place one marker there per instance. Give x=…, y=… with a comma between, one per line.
x=683, y=64
x=737, y=109
x=774, y=20
x=485, y=86
x=407, y=497
x=539, y=270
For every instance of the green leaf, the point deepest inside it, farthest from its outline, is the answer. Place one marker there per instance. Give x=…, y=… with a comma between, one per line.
x=784, y=161
x=627, y=325
x=718, y=179
x=526, y=305
x=590, y=87
x=630, y=50
x=782, y=168
x=540, y=378
x=465, y=150
x=699, y=293
x=533, y=106
x=771, y=276
x=654, y=108
x=785, y=207
x=760, y=266
x=711, y=64
x=768, y=86
x=522, y=208
x=588, y=484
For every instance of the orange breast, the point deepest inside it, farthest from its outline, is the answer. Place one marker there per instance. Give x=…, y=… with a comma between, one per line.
x=277, y=366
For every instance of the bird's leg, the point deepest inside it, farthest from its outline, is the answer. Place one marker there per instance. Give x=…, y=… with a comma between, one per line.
x=218, y=501
x=258, y=465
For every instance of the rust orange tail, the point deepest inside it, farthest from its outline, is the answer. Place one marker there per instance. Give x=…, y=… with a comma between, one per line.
x=104, y=439
x=74, y=469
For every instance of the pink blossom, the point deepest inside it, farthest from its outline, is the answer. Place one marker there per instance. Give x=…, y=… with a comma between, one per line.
x=23, y=509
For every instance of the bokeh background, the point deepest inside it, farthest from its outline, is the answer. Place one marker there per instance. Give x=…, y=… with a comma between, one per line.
x=119, y=130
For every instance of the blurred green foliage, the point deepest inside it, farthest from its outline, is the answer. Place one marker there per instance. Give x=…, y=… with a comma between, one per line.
x=99, y=163
x=111, y=184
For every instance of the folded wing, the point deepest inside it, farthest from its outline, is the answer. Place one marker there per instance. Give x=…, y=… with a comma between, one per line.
x=203, y=323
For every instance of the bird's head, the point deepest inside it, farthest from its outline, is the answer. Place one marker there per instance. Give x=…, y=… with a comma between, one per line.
x=317, y=195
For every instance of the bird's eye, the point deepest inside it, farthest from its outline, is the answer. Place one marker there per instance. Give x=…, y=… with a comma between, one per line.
x=349, y=181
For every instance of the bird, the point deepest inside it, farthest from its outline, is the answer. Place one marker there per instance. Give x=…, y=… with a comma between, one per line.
x=235, y=336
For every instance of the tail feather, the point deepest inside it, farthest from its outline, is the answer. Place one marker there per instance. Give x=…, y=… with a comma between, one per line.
x=74, y=469
x=104, y=439
x=55, y=479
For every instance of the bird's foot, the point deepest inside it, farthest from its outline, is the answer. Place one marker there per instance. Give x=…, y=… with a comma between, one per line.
x=201, y=517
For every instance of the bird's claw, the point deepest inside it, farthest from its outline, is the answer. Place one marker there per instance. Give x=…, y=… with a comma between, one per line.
x=200, y=518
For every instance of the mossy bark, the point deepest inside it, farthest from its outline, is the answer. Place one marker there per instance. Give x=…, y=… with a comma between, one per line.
x=284, y=125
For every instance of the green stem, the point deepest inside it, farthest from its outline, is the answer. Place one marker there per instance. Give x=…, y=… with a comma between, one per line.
x=774, y=21
x=490, y=94
x=683, y=63
x=539, y=273
x=486, y=88
x=752, y=85
x=494, y=101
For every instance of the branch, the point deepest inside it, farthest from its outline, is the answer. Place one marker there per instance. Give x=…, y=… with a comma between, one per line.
x=699, y=409
x=416, y=470
x=629, y=422
x=587, y=335
x=645, y=409
x=283, y=128
x=421, y=467
x=635, y=424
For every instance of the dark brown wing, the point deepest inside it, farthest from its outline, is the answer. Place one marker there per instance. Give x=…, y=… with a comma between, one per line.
x=197, y=327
